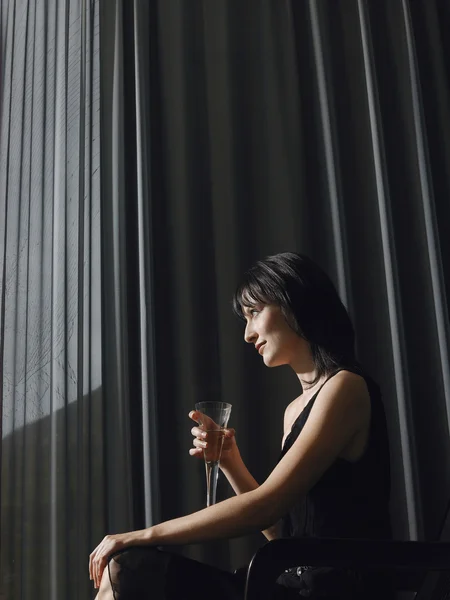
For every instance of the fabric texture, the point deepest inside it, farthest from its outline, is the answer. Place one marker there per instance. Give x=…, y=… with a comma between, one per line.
x=52, y=356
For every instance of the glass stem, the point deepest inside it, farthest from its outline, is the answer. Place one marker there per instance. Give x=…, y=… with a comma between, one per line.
x=212, y=473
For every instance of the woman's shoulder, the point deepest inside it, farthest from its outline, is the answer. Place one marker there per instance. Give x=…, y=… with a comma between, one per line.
x=348, y=379
x=355, y=379
x=345, y=391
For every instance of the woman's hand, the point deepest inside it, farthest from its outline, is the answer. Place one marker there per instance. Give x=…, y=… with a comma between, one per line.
x=99, y=557
x=229, y=448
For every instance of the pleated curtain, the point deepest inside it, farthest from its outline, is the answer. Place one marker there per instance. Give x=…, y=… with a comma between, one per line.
x=150, y=153
x=314, y=126
x=51, y=354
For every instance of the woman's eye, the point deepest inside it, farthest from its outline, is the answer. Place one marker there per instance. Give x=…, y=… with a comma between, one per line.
x=254, y=311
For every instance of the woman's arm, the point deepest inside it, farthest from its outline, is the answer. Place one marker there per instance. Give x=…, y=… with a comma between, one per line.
x=242, y=481
x=341, y=410
x=239, y=477
x=338, y=414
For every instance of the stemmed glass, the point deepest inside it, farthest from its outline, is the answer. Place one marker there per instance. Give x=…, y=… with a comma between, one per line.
x=214, y=420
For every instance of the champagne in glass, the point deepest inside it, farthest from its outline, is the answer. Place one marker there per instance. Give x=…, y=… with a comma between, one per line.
x=214, y=420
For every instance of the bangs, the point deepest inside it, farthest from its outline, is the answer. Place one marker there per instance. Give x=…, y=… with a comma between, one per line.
x=253, y=290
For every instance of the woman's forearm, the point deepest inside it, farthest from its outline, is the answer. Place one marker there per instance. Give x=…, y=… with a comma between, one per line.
x=239, y=477
x=240, y=515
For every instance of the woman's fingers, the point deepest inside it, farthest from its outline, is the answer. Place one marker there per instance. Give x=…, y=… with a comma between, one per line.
x=199, y=443
x=92, y=565
x=199, y=446
x=92, y=568
x=205, y=421
x=194, y=415
x=100, y=569
x=196, y=452
x=99, y=557
x=197, y=432
x=97, y=563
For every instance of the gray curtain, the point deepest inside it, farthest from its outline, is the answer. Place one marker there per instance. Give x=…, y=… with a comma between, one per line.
x=51, y=355
x=228, y=131
x=316, y=126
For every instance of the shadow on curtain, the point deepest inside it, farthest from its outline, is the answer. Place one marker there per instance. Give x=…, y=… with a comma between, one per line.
x=53, y=454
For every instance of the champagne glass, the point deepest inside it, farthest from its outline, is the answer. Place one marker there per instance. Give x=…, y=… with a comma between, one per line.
x=214, y=420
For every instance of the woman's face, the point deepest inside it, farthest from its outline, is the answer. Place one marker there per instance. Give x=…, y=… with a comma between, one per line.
x=271, y=335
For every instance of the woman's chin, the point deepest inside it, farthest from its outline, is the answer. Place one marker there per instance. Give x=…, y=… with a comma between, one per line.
x=271, y=361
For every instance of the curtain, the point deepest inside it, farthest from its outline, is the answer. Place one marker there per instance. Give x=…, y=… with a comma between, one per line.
x=314, y=126
x=53, y=481
x=220, y=132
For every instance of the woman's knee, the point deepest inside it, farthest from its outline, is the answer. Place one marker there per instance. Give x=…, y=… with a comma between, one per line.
x=136, y=570
x=138, y=557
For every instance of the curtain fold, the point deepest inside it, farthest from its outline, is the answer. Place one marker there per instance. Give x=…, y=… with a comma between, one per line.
x=412, y=492
x=128, y=277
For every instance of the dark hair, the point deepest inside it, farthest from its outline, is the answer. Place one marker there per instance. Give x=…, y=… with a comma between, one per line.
x=310, y=304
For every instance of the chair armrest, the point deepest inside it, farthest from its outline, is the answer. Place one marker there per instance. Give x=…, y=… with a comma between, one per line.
x=276, y=556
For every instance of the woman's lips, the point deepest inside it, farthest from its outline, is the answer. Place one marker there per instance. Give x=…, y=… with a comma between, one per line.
x=261, y=347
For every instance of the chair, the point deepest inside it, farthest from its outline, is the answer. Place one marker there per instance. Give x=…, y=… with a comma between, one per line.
x=414, y=558
x=408, y=561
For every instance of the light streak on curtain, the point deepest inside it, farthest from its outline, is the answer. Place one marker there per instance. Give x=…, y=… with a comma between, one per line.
x=51, y=356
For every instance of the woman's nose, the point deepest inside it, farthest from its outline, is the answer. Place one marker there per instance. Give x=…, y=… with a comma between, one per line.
x=249, y=334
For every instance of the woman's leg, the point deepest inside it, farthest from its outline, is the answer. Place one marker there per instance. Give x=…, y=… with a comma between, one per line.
x=105, y=591
x=149, y=573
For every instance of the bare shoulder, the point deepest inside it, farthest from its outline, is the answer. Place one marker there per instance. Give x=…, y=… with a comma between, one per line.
x=348, y=381
x=345, y=391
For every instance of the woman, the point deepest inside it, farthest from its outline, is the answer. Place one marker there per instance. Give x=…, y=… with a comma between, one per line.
x=332, y=478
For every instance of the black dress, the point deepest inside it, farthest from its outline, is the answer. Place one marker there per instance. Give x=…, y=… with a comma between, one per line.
x=350, y=500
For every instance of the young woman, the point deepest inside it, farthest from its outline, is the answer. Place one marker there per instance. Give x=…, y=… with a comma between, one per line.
x=332, y=478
